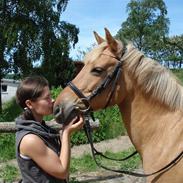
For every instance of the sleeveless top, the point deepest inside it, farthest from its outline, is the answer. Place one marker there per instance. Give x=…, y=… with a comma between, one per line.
x=30, y=171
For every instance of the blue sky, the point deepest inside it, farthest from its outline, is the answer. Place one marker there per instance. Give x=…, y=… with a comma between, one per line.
x=90, y=15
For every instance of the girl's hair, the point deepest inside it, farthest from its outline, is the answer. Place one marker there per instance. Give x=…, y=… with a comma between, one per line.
x=30, y=89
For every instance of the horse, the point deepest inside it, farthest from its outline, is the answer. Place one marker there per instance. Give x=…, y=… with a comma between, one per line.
x=149, y=97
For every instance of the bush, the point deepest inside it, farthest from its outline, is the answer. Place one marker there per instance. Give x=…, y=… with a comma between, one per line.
x=10, y=111
x=55, y=92
x=110, y=126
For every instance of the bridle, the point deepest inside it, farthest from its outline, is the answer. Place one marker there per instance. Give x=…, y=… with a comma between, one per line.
x=110, y=79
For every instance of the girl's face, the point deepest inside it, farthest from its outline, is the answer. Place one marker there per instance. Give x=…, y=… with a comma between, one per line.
x=43, y=105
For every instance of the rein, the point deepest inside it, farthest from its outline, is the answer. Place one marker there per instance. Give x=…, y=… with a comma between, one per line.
x=88, y=132
x=110, y=79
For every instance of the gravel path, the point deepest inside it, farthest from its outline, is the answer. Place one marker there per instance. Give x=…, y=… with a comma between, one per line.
x=107, y=177
x=113, y=145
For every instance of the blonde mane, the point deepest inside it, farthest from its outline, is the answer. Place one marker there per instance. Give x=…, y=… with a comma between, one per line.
x=153, y=79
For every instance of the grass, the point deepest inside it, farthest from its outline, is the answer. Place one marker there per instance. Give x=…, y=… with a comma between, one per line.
x=8, y=173
x=83, y=164
x=87, y=164
x=7, y=146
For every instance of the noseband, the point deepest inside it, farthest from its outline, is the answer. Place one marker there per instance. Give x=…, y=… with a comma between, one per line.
x=111, y=78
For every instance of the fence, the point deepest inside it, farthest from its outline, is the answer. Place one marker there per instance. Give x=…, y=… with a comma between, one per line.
x=9, y=127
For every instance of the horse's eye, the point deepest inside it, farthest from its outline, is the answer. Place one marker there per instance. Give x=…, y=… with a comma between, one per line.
x=97, y=70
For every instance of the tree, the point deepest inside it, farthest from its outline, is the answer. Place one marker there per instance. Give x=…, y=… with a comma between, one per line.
x=32, y=33
x=56, y=54
x=173, y=51
x=146, y=25
x=4, y=66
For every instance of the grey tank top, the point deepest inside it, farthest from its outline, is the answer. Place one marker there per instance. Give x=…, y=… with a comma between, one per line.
x=30, y=171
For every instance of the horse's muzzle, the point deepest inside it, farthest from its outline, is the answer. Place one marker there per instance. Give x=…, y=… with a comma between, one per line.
x=65, y=113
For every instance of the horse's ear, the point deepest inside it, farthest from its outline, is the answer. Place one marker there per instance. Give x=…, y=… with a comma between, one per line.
x=113, y=45
x=78, y=66
x=98, y=38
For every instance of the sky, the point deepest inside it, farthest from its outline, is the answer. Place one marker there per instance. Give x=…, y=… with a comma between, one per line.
x=95, y=15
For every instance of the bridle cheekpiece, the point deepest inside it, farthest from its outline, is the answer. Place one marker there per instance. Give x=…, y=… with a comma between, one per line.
x=110, y=78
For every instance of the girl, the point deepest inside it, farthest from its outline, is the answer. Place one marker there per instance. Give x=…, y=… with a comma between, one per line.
x=38, y=147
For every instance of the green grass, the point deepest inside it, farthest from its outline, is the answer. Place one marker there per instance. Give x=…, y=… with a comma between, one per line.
x=84, y=164
x=9, y=174
x=87, y=164
x=7, y=147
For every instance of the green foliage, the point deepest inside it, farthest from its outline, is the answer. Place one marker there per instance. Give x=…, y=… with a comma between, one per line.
x=79, y=138
x=110, y=126
x=10, y=111
x=7, y=146
x=55, y=92
x=7, y=141
x=173, y=51
x=146, y=25
x=110, y=123
x=9, y=173
x=32, y=35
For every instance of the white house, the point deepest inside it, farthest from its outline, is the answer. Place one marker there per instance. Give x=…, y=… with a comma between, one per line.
x=8, y=89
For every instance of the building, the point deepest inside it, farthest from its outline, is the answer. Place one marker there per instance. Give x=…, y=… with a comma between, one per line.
x=8, y=89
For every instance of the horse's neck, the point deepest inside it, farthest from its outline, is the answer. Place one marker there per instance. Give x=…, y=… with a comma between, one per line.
x=150, y=125
x=156, y=133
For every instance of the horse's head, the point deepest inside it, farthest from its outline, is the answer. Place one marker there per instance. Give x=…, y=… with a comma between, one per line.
x=99, y=84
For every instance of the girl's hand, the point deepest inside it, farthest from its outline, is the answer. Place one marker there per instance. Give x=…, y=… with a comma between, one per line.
x=74, y=125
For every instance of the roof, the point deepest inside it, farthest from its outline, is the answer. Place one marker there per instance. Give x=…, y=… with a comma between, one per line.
x=10, y=81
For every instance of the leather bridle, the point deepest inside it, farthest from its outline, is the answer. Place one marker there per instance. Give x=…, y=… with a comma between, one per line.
x=111, y=78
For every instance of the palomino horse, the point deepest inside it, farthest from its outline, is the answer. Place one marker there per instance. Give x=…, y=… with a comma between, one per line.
x=150, y=100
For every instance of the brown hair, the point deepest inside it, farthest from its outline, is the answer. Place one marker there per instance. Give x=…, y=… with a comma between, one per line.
x=30, y=89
